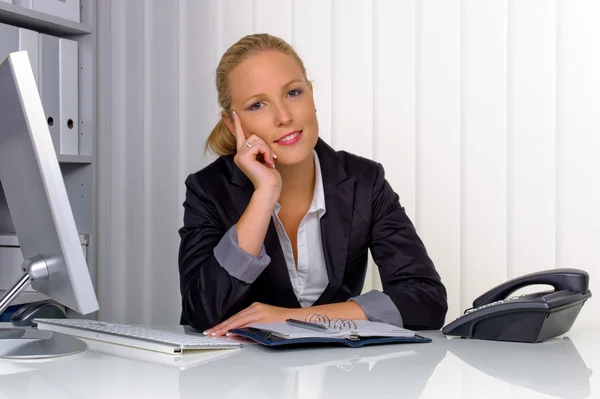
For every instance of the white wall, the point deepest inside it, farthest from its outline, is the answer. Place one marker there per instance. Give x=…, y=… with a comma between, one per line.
x=485, y=113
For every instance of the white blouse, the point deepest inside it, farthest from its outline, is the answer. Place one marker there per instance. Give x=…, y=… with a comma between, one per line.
x=310, y=279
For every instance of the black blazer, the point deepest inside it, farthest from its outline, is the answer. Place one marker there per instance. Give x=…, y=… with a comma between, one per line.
x=362, y=213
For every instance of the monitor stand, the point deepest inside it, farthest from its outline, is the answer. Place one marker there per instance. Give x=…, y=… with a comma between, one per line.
x=34, y=268
x=30, y=343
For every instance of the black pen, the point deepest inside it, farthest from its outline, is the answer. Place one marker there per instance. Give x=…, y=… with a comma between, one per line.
x=303, y=324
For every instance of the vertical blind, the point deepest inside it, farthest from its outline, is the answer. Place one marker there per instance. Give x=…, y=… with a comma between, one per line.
x=484, y=113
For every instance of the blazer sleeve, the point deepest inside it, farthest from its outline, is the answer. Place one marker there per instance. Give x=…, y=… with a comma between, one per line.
x=407, y=273
x=215, y=274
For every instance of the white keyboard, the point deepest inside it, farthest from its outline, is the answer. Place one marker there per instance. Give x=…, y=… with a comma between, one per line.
x=137, y=337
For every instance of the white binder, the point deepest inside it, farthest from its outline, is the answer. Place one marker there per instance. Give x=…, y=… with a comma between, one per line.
x=67, y=9
x=30, y=41
x=69, y=96
x=49, y=85
x=59, y=90
x=9, y=40
x=16, y=39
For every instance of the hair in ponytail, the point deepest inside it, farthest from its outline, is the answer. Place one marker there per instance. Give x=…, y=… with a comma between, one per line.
x=221, y=140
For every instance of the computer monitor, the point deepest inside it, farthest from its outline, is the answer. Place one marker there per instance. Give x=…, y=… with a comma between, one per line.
x=36, y=196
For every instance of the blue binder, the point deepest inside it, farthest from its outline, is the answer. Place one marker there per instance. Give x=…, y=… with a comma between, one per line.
x=267, y=338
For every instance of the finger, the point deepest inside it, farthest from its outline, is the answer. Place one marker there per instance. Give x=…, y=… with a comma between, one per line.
x=237, y=323
x=239, y=131
x=259, y=152
x=234, y=321
x=262, y=153
x=271, y=156
x=258, y=146
x=219, y=327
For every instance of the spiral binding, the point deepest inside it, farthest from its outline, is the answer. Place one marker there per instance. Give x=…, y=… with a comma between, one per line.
x=336, y=323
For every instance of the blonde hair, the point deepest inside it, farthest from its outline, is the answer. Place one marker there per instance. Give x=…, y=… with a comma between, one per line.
x=221, y=141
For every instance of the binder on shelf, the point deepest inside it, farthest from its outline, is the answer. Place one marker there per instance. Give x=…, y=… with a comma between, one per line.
x=49, y=85
x=67, y=9
x=69, y=97
x=59, y=91
x=19, y=39
x=29, y=41
x=9, y=40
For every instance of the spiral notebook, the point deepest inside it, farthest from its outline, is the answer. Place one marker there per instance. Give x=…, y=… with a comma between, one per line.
x=352, y=333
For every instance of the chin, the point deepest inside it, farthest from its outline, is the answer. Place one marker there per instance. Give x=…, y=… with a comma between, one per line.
x=292, y=159
x=295, y=156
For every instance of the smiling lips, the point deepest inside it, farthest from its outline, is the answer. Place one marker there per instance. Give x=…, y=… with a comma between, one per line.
x=290, y=138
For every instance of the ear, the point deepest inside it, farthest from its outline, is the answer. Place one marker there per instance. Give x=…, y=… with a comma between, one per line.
x=229, y=122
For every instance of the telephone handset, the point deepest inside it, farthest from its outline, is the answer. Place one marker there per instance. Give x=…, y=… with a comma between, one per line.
x=529, y=317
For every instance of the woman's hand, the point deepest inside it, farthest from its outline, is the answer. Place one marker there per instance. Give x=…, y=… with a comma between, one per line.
x=257, y=160
x=255, y=313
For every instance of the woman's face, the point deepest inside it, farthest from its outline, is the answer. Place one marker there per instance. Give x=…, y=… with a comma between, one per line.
x=275, y=102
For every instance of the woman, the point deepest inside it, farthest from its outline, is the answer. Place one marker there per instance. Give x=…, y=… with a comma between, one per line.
x=280, y=225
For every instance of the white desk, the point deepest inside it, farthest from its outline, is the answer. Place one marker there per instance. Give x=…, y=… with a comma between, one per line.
x=446, y=368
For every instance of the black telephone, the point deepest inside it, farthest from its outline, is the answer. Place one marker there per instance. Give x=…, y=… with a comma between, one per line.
x=525, y=318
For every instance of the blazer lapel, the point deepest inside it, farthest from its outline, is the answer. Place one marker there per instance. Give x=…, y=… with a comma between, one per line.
x=276, y=275
x=241, y=190
x=336, y=223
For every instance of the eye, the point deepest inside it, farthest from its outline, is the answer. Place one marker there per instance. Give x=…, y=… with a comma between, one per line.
x=255, y=107
x=294, y=93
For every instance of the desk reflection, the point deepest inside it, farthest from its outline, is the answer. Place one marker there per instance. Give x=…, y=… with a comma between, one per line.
x=554, y=367
x=398, y=369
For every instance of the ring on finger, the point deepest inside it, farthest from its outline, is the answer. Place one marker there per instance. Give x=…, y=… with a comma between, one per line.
x=248, y=144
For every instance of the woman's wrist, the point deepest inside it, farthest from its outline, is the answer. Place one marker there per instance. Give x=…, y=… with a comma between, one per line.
x=296, y=313
x=252, y=226
x=344, y=310
x=267, y=196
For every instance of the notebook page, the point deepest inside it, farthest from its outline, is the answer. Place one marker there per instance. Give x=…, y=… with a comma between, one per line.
x=365, y=328
x=285, y=330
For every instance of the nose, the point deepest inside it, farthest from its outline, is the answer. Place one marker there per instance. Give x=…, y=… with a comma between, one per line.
x=283, y=116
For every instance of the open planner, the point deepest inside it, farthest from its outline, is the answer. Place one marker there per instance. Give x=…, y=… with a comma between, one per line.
x=319, y=329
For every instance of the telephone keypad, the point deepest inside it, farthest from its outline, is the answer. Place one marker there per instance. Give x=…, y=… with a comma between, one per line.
x=512, y=298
